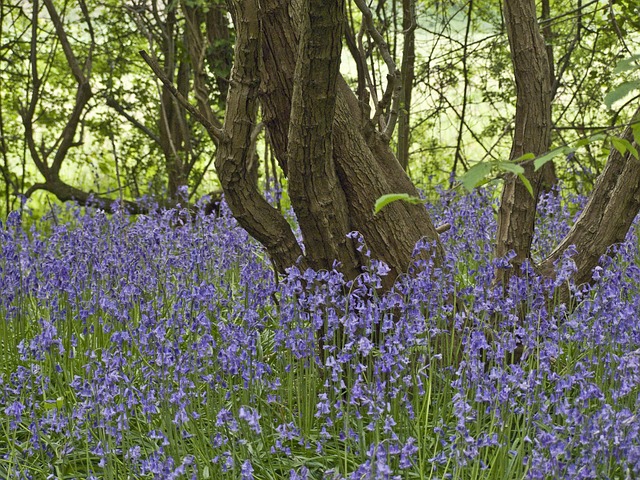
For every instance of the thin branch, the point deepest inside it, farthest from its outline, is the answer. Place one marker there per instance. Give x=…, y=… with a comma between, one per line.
x=361, y=68
x=616, y=27
x=64, y=41
x=215, y=133
x=465, y=75
x=27, y=113
x=113, y=103
x=391, y=97
x=83, y=94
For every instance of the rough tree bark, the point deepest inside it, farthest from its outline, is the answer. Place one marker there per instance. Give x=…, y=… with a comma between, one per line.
x=516, y=218
x=248, y=206
x=365, y=166
x=407, y=69
x=319, y=151
x=612, y=206
x=316, y=196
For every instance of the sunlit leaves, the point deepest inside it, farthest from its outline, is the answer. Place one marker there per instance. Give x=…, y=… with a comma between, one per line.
x=385, y=200
x=479, y=174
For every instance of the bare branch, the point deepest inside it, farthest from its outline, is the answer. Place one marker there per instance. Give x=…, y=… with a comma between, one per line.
x=83, y=94
x=214, y=132
x=361, y=67
x=64, y=41
x=391, y=97
x=29, y=111
x=113, y=103
x=66, y=193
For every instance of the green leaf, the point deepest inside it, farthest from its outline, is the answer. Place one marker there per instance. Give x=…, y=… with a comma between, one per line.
x=385, y=200
x=620, y=144
x=475, y=175
x=526, y=156
x=586, y=141
x=511, y=167
x=623, y=146
x=51, y=404
x=620, y=92
x=547, y=157
x=526, y=183
x=627, y=64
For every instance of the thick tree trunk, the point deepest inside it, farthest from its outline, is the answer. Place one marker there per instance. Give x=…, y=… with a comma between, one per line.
x=516, y=219
x=607, y=217
x=366, y=168
x=315, y=192
x=252, y=211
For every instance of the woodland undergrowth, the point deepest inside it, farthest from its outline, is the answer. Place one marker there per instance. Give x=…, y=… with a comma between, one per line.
x=161, y=346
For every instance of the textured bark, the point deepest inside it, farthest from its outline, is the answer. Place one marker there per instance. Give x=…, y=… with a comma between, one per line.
x=516, y=218
x=407, y=69
x=607, y=217
x=248, y=206
x=315, y=192
x=366, y=167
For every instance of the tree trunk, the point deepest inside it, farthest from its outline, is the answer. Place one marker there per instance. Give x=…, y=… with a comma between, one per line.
x=365, y=167
x=612, y=206
x=248, y=206
x=407, y=69
x=315, y=192
x=516, y=218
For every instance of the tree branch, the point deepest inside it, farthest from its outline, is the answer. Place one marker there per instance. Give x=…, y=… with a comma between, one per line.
x=113, y=103
x=83, y=94
x=214, y=132
x=391, y=96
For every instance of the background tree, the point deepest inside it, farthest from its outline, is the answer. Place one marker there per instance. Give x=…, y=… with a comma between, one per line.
x=191, y=44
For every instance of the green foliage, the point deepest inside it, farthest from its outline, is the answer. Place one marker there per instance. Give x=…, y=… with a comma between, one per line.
x=478, y=174
x=385, y=200
x=623, y=146
x=630, y=64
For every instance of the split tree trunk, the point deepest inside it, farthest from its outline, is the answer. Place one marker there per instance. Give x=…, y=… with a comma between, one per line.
x=316, y=195
x=365, y=167
x=336, y=173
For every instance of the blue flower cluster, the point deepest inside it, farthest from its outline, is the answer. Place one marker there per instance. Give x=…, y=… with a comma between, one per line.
x=162, y=346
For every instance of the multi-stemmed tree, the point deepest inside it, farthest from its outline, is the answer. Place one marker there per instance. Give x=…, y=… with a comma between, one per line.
x=334, y=145
x=338, y=162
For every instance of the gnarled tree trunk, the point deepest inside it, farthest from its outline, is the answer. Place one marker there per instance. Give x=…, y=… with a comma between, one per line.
x=336, y=170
